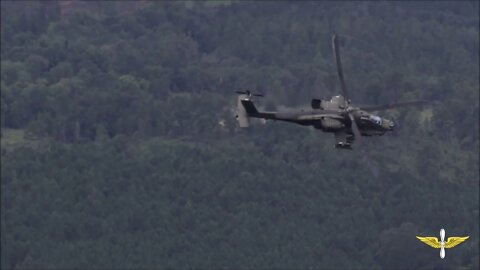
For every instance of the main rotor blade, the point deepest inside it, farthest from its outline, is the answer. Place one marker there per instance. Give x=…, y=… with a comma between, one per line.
x=366, y=157
x=355, y=129
x=336, y=52
x=393, y=105
x=372, y=166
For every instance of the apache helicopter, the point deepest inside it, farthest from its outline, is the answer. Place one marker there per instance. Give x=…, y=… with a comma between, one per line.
x=337, y=115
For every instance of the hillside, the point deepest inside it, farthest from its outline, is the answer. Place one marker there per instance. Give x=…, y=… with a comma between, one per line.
x=120, y=149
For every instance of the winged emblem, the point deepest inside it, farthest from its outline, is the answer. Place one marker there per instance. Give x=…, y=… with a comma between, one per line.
x=450, y=243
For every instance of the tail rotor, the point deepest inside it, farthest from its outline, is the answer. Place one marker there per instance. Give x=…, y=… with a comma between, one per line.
x=249, y=93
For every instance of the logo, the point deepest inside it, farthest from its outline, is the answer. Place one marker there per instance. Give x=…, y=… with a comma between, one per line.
x=442, y=245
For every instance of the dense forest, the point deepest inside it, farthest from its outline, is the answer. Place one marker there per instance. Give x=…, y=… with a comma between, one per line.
x=119, y=146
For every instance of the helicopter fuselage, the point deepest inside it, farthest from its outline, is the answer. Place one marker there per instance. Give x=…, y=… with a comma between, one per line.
x=328, y=117
x=336, y=115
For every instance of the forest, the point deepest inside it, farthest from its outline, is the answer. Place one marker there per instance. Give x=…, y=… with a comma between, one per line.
x=120, y=149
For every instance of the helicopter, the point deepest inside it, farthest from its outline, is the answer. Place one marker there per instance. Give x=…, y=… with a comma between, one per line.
x=338, y=115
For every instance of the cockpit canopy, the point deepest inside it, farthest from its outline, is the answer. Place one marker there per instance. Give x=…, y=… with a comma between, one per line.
x=375, y=119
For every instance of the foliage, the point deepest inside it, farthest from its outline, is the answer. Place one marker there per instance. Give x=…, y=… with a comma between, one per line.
x=132, y=158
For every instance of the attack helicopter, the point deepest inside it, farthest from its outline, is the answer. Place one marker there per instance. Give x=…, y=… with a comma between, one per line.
x=338, y=115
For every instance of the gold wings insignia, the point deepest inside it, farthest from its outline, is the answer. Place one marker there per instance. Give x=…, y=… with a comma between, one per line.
x=453, y=241
x=431, y=241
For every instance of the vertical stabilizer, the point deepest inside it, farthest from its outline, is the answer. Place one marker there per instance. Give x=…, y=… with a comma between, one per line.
x=242, y=115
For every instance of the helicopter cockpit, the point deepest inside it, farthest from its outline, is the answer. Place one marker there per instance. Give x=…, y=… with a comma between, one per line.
x=375, y=119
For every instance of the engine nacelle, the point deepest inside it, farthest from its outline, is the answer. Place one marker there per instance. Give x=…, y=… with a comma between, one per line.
x=331, y=124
